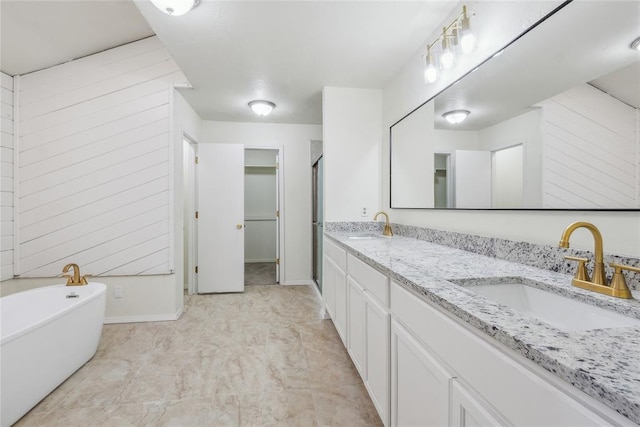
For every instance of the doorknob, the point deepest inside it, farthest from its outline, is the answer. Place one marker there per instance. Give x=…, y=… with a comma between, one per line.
x=238, y=226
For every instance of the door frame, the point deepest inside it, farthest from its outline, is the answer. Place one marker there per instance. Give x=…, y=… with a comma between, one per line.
x=281, y=205
x=190, y=189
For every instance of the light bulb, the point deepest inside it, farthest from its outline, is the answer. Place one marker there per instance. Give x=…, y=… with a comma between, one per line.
x=430, y=72
x=467, y=39
x=446, y=59
x=467, y=42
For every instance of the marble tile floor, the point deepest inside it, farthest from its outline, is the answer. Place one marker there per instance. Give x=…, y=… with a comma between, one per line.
x=260, y=358
x=260, y=273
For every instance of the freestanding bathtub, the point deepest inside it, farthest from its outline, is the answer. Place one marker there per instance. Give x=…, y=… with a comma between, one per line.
x=45, y=337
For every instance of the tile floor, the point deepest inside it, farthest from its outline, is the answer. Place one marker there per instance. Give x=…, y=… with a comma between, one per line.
x=260, y=358
x=260, y=273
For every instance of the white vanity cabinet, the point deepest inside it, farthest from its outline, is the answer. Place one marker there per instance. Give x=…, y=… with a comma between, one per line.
x=468, y=411
x=489, y=384
x=424, y=367
x=420, y=383
x=369, y=330
x=334, y=286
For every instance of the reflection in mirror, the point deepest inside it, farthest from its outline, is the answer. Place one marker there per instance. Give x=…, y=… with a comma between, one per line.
x=552, y=123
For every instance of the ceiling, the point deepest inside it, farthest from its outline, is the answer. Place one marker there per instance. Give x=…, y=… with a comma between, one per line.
x=235, y=51
x=40, y=34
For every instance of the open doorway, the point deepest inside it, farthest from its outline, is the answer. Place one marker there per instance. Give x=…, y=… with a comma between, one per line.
x=262, y=217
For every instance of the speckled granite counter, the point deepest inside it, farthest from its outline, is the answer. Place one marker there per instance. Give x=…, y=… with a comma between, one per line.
x=604, y=363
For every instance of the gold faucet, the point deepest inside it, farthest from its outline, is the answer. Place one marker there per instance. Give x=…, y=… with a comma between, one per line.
x=76, y=279
x=387, y=228
x=618, y=287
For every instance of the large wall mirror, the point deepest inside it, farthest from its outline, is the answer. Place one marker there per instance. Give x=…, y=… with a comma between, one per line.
x=554, y=122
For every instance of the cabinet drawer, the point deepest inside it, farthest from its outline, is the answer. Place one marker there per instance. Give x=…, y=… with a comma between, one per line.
x=376, y=283
x=336, y=253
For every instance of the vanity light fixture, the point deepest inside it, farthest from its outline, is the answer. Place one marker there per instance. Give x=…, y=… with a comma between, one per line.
x=456, y=36
x=262, y=108
x=456, y=116
x=175, y=7
x=636, y=44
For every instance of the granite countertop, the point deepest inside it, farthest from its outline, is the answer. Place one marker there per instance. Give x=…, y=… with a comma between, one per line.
x=604, y=363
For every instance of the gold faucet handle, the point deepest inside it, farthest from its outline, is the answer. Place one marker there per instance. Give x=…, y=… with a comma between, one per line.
x=83, y=279
x=581, y=271
x=69, y=278
x=618, y=281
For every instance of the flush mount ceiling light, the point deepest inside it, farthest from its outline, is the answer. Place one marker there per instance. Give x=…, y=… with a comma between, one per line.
x=456, y=37
x=175, y=7
x=262, y=108
x=456, y=116
x=636, y=44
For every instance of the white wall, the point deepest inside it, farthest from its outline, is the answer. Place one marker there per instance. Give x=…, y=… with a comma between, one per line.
x=591, y=151
x=106, y=130
x=621, y=230
x=6, y=176
x=523, y=129
x=352, y=134
x=296, y=218
x=94, y=176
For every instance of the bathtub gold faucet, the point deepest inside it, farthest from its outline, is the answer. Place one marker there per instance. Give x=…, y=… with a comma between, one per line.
x=76, y=279
x=598, y=283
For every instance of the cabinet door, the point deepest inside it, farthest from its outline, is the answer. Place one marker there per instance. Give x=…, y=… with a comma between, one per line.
x=377, y=325
x=467, y=411
x=340, y=318
x=356, y=326
x=419, y=383
x=329, y=287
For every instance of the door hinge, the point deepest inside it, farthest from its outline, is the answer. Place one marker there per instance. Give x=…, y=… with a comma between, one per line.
x=196, y=160
x=277, y=261
x=196, y=269
x=277, y=214
x=196, y=214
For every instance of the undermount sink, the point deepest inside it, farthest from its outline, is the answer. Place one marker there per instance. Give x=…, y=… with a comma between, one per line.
x=557, y=310
x=361, y=237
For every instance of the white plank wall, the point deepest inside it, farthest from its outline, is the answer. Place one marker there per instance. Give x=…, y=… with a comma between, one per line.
x=94, y=162
x=591, y=150
x=6, y=176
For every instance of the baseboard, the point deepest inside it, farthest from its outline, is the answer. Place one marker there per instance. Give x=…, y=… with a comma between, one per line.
x=298, y=283
x=143, y=318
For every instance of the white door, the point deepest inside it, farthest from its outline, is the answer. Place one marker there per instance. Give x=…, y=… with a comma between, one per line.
x=220, y=218
x=472, y=179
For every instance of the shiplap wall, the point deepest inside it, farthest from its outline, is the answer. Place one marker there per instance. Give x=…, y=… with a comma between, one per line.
x=94, y=163
x=591, y=151
x=6, y=176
